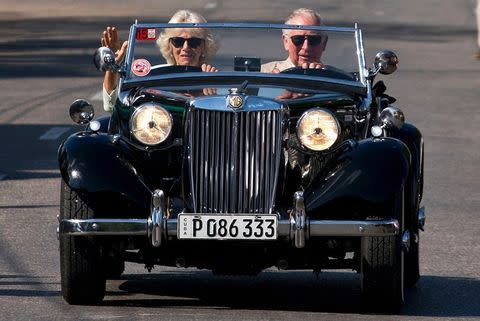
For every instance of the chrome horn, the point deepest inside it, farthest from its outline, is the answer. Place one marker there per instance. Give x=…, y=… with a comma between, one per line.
x=392, y=117
x=81, y=111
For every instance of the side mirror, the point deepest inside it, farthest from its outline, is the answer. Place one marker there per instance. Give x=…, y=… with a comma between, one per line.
x=392, y=117
x=104, y=59
x=386, y=62
x=81, y=111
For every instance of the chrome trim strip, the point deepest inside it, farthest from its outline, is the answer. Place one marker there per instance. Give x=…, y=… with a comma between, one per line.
x=354, y=228
x=220, y=103
x=332, y=228
x=128, y=59
x=363, y=70
x=233, y=164
x=87, y=227
x=244, y=26
x=361, y=55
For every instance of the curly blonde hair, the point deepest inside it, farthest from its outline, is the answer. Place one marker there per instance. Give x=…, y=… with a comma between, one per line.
x=187, y=16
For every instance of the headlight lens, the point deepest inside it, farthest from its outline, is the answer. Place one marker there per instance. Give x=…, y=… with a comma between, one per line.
x=151, y=124
x=318, y=129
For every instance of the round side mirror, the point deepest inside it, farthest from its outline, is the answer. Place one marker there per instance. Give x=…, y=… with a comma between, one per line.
x=386, y=62
x=392, y=117
x=81, y=111
x=104, y=59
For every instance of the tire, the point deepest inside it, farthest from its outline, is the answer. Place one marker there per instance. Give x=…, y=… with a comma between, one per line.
x=82, y=276
x=382, y=266
x=114, y=267
x=412, y=263
x=412, y=260
x=412, y=257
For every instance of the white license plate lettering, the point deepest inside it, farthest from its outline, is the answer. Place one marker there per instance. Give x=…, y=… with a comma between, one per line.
x=208, y=226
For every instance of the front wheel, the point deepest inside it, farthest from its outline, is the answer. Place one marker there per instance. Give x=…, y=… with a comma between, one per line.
x=82, y=276
x=114, y=267
x=382, y=266
x=412, y=261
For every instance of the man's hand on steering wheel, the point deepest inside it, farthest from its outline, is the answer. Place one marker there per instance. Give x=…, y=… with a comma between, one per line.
x=312, y=65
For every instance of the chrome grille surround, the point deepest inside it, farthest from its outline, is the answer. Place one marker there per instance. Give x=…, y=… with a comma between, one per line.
x=234, y=155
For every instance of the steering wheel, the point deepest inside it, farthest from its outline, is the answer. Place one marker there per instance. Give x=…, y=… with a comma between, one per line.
x=325, y=71
x=173, y=69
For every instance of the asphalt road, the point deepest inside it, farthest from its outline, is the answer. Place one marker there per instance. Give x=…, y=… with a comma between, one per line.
x=45, y=63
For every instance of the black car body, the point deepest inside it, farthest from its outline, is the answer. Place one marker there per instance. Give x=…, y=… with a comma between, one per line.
x=233, y=186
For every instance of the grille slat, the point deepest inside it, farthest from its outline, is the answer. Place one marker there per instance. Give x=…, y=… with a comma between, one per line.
x=256, y=177
x=221, y=182
x=234, y=161
x=252, y=162
x=268, y=146
x=241, y=165
x=248, y=152
x=196, y=161
x=217, y=187
x=202, y=164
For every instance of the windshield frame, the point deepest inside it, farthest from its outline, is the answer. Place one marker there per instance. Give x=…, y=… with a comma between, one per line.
x=362, y=70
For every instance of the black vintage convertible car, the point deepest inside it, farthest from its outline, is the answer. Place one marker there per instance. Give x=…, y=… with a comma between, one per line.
x=240, y=170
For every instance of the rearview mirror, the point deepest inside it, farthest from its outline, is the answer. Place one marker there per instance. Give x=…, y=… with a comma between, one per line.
x=386, y=62
x=104, y=59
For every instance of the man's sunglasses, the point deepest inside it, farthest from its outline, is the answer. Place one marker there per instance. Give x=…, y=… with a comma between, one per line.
x=193, y=42
x=300, y=39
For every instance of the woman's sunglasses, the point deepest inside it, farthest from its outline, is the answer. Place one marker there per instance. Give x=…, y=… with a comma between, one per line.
x=193, y=42
x=300, y=39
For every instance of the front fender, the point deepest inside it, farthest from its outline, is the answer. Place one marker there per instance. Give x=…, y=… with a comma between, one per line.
x=412, y=137
x=368, y=174
x=105, y=172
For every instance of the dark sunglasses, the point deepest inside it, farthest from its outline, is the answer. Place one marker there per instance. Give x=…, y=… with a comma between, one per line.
x=193, y=42
x=300, y=39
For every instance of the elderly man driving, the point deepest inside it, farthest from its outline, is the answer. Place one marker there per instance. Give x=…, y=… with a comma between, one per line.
x=304, y=47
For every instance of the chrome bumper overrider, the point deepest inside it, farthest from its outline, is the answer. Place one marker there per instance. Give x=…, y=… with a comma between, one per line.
x=298, y=229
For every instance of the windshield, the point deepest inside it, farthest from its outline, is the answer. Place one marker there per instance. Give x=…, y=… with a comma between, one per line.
x=160, y=49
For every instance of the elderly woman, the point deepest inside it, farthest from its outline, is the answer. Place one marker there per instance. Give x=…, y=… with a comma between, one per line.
x=184, y=47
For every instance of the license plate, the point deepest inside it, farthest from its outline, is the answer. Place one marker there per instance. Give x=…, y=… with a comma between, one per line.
x=227, y=227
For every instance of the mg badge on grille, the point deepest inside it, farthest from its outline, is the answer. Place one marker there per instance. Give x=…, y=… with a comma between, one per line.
x=235, y=101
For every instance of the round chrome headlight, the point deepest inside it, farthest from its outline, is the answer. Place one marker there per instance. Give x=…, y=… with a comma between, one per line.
x=151, y=124
x=318, y=129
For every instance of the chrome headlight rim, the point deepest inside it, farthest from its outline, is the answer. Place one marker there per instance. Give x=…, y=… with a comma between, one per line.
x=141, y=108
x=339, y=129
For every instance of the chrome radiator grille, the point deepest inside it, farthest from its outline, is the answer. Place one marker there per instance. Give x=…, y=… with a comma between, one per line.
x=234, y=160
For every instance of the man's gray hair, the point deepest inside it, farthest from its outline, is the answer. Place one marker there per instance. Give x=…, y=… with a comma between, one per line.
x=303, y=12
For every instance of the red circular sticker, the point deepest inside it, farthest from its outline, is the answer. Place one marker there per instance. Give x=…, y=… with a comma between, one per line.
x=141, y=67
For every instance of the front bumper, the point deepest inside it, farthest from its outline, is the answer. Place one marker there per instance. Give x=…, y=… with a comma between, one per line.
x=159, y=229
x=286, y=228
